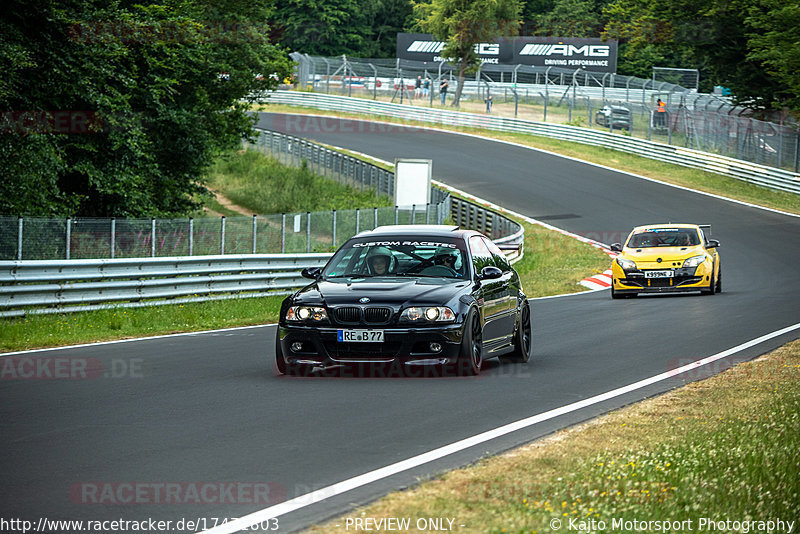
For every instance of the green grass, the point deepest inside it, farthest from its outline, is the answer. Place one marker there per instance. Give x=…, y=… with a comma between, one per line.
x=723, y=448
x=37, y=331
x=265, y=186
x=673, y=174
x=553, y=263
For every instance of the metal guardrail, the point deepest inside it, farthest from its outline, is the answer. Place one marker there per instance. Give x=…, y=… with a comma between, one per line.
x=771, y=177
x=43, y=286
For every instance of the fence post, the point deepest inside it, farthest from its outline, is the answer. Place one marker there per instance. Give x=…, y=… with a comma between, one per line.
x=308, y=231
x=113, y=235
x=428, y=213
x=396, y=214
x=255, y=230
x=413, y=214
x=358, y=220
x=375, y=216
x=222, y=236
x=68, y=237
x=19, y=236
x=333, y=239
x=283, y=233
x=796, y=157
x=152, y=238
x=191, y=236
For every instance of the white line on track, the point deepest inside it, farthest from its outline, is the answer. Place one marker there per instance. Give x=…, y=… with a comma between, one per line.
x=361, y=480
x=135, y=339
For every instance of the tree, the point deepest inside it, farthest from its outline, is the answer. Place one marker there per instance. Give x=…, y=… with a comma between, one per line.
x=571, y=18
x=717, y=37
x=117, y=108
x=773, y=41
x=323, y=27
x=464, y=23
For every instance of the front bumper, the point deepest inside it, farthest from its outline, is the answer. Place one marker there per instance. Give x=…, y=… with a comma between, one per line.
x=683, y=280
x=405, y=346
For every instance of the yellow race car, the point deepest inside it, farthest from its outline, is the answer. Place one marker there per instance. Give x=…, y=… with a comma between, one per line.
x=666, y=258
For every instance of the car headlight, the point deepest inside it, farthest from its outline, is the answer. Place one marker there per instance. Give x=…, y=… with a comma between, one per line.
x=306, y=313
x=694, y=261
x=431, y=314
x=627, y=265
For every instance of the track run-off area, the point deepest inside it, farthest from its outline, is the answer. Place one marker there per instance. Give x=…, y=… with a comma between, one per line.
x=199, y=427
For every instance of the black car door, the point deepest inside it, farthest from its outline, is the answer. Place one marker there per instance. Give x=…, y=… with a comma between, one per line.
x=490, y=293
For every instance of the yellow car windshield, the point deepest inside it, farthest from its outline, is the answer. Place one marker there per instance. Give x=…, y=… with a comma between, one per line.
x=682, y=237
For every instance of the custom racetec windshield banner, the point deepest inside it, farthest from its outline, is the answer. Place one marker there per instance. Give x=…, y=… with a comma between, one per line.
x=570, y=53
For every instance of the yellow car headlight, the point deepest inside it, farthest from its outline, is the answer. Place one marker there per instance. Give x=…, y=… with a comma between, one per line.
x=627, y=265
x=694, y=261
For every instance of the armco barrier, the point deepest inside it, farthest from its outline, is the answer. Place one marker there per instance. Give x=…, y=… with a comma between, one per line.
x=774, y=178
x=46, y=286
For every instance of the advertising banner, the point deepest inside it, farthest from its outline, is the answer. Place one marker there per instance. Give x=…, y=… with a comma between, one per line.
x=570, y=53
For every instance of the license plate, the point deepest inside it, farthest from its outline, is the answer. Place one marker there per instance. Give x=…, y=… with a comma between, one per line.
x=658, y=274
x=360, y=336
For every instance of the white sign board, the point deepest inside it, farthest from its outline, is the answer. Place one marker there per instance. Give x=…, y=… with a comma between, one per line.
x=412, y=182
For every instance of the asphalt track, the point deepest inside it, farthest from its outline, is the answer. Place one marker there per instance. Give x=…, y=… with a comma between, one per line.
x=207, y=408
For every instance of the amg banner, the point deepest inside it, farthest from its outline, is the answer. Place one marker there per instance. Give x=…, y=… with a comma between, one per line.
x=567, y=52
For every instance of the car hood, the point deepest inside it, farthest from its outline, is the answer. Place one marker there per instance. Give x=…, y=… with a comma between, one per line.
x=648, y=257
x=387, y=292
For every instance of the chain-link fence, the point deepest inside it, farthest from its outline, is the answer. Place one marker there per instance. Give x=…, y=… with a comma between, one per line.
x=645, y=108
x=35, y=238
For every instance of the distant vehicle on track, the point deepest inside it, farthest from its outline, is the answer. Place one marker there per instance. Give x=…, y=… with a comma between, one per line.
x=665, y=258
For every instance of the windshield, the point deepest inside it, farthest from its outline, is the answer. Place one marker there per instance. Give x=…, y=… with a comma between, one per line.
x=672, y=237
x=396, y=257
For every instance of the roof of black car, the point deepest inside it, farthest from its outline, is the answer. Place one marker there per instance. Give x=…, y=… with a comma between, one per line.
x=413, y=229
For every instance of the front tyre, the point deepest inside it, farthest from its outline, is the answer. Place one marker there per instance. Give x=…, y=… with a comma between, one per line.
x=522, y=338
x=712, y=286
x=470, y=358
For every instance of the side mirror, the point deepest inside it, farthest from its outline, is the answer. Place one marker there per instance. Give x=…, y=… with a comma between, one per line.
x=490, y=273
x=616, y=247
x=712, y=243
x=311, y=272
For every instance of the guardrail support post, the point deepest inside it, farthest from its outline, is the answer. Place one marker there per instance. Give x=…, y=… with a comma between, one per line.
x=333, y=238
x=308, y=231
x=255, y=230
x=283, y=233
x=113, y=235
x=19, y=237
x=69, y=236
x=222, y=235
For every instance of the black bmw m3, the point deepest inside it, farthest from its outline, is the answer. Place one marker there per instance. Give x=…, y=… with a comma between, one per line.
x=407, y=296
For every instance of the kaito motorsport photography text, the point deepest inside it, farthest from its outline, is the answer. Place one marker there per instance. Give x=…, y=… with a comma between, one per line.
x=703, y=524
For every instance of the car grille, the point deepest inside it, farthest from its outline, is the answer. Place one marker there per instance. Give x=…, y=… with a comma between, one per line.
x=355, y=315
x=349, y=314
x=377, y=315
